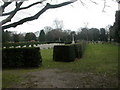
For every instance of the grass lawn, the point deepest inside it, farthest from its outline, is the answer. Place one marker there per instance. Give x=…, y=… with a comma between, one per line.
x=98, y=58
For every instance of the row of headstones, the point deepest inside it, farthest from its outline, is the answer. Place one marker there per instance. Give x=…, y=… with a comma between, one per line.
x=41, y=46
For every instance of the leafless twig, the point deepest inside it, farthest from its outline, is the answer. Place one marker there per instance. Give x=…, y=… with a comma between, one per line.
x=103, y=10
x=94, y=2
x=82, y=2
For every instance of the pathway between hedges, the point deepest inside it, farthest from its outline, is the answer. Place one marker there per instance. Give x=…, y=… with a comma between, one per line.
x=56, y=78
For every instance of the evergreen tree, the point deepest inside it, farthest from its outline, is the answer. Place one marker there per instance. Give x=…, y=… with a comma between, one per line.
x=16, y=38
x=42, y=36
x=30, y=36
x=117, y=26
x=103, y=35
x=5, y=36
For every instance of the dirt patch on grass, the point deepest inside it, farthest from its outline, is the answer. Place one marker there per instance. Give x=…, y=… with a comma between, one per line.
x=57, y=78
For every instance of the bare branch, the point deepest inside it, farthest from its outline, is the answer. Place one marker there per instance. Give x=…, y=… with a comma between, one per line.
x=94, y=2
x=82, y=3
x=104, y=6
x=5, y=5
x=4, y=14
x=36, y=16
x=8, y=19
x=60, y=5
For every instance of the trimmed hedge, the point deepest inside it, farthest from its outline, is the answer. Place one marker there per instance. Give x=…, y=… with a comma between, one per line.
x=54, y=42
x=64, y=53
x=69, y=52
x=79, y=49
x=21, y=57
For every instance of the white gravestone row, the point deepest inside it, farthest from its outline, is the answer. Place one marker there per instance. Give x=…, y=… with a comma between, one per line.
x=47, y=46
x=41, y=46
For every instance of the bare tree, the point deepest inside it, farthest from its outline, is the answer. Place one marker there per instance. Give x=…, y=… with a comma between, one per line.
x=58, y=24
x=46, y=3
x=47, y=29
x=18, y=7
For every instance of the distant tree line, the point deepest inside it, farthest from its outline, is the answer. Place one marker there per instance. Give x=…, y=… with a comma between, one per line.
x=8, y=36
x=57, y=34
x=92, y=34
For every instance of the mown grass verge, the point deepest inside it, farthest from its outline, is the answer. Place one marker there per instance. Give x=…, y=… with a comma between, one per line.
x=97, y=58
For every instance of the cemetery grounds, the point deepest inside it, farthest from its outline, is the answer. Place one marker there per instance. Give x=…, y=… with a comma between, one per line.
x=97, y=69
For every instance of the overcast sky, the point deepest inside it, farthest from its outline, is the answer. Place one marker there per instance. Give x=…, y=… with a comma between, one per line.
x=74, y=16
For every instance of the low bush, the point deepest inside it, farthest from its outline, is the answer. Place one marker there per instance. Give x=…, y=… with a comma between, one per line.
x=21, y=57
x=64, y=53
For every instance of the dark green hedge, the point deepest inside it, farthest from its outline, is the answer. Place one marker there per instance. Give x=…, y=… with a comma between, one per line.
x=79, y=49
x=21, y=57
x=64, y=53
x=69, y=52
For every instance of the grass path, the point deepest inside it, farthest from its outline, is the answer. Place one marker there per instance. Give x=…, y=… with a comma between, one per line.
x=100, y=59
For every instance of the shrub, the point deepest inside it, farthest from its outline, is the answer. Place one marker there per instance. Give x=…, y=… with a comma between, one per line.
x=67, y=42
x=64, y=53
x=78, y=50
x=21, y=57
x=69, y=52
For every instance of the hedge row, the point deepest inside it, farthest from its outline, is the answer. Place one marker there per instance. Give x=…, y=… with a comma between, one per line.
x=21, y=57
x=68, y=53
x=21, y=44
